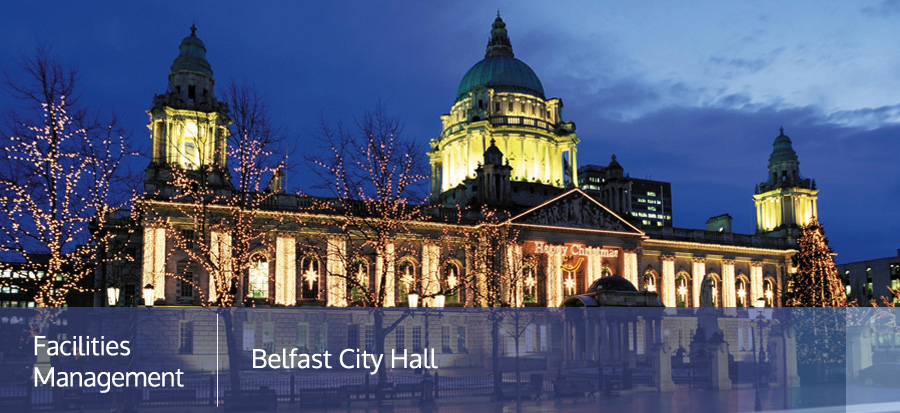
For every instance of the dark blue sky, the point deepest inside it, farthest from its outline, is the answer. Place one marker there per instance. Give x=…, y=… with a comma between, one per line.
x=690, y=94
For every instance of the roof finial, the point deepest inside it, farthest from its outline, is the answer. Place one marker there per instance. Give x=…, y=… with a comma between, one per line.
x=193, y=29
x=781, y=130
x=499, y=44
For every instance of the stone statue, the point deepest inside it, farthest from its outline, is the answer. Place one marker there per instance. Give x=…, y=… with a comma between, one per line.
x=706, y=296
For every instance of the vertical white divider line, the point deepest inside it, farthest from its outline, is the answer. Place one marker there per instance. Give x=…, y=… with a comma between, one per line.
x=217, y=360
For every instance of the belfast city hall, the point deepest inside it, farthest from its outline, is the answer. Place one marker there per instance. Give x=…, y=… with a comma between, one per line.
x=554, y=229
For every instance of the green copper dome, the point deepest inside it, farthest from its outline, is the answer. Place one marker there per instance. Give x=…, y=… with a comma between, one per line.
x=192, y=56
x=499, y=69
x=782, y=150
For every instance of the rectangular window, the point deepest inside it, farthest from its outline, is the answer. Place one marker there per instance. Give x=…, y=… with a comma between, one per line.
x=400, y=339
x=303, y=337
x=187, y=235
x=268, y=336
x=445, y=340
x=319, y=337
x=192, y=92
x=185, y=284
x=417, y=339
x=543, y=339
x=370, y=338
x=249, y=337
x=869, y=280
x=185, y=337
x=461, y=340
x=353, y=336
x=529, y=339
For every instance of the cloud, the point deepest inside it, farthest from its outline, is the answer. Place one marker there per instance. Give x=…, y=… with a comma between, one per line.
x=882, y=9
x=748, y=65
x=715, y=156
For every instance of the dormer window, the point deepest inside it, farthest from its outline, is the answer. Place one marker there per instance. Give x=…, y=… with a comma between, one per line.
x=192, y=92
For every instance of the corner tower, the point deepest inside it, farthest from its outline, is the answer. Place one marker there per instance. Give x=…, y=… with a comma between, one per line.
x=501, y=100
x=188, y=126
x=786, y=201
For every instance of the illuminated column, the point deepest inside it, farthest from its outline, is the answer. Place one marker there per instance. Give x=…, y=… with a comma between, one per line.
x=220, y=248
x=431, y=256
x=728, y=297
x=335, y=281
x=514, y=269
x=668, y=280
x=592, y=273
x=574, y=166
x=631, y=266
x=472, y=288
x=386, y=264
x=755, y=283
x=698, y=274
x=154, y=265
x=285, y=270
x=554, y=280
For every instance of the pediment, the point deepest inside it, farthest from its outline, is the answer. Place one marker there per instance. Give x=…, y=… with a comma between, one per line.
x=575, y=210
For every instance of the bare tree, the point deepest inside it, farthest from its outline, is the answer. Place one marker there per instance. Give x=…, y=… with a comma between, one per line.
x=374, y=177
x=59, y=179
x=221, y=226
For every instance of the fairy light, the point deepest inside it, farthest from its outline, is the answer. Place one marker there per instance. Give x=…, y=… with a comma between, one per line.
x=570, y=284
x=682, y=289
x=452, y=281
x=310, y=276
x=57, y=211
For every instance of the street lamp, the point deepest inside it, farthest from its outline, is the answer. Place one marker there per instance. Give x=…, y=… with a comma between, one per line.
x=112, y=296
x=413, y=300
x=758, y=315
x=148, y=295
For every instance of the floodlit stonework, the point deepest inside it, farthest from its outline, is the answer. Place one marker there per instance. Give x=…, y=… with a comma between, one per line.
x=503, y=145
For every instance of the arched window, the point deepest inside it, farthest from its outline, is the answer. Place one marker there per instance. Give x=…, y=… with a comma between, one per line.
x=359, y=285
x=683, y=290
x=769, y=291
x=407, y=279
x=258, y=277
x=309, y=277
x=742, y=291
x=451, y=284
x=649, y=283
x=715, y=289
x=530, y=287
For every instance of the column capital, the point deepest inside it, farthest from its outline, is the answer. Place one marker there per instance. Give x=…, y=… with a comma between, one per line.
x=667, y=257
x=756, y=263
x=728, y=261
x=699, y=259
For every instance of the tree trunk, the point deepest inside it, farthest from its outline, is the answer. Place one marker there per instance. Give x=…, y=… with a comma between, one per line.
x=495, y=358
x=378, y=326
x=518, y=369
x=234, y=354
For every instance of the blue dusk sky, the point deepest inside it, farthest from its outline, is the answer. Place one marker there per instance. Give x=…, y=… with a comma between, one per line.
x=687, y=92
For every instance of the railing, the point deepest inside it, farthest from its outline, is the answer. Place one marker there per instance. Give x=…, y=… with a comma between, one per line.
x=503, y=121
x=355, y=386
x=724, y=238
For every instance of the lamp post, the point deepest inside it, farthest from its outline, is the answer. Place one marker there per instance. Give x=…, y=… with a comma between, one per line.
x=148, y=295
x=758, y=315
x=112, y=296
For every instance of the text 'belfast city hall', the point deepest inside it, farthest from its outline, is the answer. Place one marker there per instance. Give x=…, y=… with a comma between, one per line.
x=512, y=220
